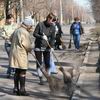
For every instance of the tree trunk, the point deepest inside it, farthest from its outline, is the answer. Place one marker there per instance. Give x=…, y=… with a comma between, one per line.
x=6, y=7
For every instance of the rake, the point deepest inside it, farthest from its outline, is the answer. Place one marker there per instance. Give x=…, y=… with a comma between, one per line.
x=62, y=43
x=57, y=84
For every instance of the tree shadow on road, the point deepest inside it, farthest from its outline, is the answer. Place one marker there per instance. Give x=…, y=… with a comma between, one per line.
x=33, y=71
x=46, y=95
x=86, y=95
x=6, y=90
x=4, y=58
x=4, y=76
x=91, y=65
x=4, y=66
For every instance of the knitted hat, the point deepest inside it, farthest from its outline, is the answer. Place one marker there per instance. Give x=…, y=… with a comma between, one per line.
x=28, y=21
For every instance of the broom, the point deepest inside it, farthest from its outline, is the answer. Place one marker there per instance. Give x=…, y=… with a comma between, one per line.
x=62, y=43
x=69, y=46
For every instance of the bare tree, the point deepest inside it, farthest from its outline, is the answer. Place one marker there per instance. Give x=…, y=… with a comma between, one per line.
x=40, y=8
x=96, y=9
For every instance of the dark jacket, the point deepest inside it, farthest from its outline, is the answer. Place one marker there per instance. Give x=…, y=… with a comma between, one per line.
x=48, y=30
x=59, y=29
x=72, y=30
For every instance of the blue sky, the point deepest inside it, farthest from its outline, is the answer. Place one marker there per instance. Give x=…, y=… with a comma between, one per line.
x=83, y=2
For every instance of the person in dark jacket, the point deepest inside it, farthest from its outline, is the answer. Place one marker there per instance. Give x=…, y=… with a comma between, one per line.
x=59, y=33
x=44, y=33
x=76, y=30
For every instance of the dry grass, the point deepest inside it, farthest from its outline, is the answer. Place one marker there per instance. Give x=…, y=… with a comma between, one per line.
x=95, y=31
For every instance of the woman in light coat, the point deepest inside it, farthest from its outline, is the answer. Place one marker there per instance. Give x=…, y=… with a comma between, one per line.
x=20, y=47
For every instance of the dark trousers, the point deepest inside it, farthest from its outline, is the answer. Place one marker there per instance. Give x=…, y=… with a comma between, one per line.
x=42, y=56
x=58, y=41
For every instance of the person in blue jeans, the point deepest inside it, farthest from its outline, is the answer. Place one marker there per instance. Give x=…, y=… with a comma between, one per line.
x=76, y=30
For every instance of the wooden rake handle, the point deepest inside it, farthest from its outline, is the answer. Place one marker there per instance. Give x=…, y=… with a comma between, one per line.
x=43, y=71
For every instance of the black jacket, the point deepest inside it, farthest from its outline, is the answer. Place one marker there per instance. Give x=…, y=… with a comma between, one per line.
x=48, y=30
x=60, y=32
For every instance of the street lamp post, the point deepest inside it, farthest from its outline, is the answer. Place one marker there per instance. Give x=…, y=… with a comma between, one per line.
x=61, y=14
x=72, y=11
x=21, y=10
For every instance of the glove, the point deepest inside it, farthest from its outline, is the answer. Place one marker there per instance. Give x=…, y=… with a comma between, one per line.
x=45, y=37
x=52, y=49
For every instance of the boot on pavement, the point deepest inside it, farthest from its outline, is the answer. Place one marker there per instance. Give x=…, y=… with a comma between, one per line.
x=22, y=86
x=41, y=81
x=16, y=84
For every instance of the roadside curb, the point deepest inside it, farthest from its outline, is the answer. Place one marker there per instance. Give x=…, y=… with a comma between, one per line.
x=86, y=57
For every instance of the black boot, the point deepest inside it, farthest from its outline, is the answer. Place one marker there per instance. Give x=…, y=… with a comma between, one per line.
x=22, y=87
x=58, y=47
x=41, y=81
x=16, y=84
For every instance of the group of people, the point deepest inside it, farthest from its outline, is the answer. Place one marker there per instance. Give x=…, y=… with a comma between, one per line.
x=18, y=44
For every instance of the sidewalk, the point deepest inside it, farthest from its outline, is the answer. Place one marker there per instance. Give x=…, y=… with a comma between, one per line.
x=89, y=80
x=36, y=91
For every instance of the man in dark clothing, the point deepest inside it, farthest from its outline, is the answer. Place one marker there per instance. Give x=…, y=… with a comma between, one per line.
x=44, y=34
x=58, y=34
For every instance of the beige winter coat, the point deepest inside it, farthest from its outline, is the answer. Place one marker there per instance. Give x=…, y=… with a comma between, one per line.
x=21, y=45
